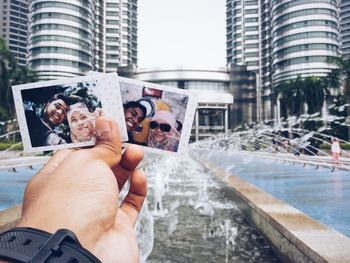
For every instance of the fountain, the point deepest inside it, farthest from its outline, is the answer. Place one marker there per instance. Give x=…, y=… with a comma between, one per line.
x=191, y=214
x=197, y=218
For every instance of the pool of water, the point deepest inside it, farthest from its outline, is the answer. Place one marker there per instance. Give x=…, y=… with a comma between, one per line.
x=12, y=185
x=320, y=193
x=189, y=215
x=193, y=218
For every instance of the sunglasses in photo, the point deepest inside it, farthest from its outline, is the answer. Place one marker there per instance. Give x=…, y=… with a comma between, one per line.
x=163, y=126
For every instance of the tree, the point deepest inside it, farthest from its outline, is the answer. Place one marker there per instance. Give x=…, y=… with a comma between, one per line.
x=289, y=96
x=294, y=94
x=11, y=74
x=340, y=77
x=6, y=62
x=314, y=94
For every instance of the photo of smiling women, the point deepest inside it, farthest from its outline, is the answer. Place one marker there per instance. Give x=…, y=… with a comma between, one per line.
x=157, y=117
x=59, y=114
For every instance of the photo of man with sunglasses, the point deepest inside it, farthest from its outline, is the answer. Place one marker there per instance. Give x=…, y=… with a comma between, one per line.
x=162, y=132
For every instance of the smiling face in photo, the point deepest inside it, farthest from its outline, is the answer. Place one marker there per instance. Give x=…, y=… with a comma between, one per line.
x=81, y=123
x=133, y=118
x=56, y=111
x=160, y=130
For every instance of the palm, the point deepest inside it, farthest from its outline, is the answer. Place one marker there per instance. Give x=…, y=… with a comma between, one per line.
x=119, y=244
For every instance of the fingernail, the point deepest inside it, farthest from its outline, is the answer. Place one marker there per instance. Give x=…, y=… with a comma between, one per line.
x=103, y=129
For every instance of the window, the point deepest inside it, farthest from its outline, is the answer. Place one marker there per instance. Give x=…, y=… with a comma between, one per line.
x=112, y=22
x=112, y=5
x=112, y=65
x=112, y=30
x=112, y=39
x=112, y=56
x=108, y=47
x=112, y=13
x=252, y=28
x=251, y=11
x=251, y=19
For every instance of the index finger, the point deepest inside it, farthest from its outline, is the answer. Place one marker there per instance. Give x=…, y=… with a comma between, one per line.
x=131, y=158
x=133, y=201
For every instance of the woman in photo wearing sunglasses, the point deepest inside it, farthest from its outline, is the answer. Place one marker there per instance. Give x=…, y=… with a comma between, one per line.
x=162, y=132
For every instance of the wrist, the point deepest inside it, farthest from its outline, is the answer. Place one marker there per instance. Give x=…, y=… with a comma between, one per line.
x=50, y=227
x=24, y=244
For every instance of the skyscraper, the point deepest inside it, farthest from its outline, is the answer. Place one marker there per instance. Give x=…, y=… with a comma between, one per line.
x=69, y=39
x=345, y=26
x=14, y=27
x=281, y=40
x=305, y=36
x=121, y=34
x=243, y=33
x=61, y=38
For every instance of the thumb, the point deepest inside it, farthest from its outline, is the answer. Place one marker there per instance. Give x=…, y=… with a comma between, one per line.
x=108, y=144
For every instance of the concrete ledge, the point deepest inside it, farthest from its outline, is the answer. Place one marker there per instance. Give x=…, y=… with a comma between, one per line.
x=10, y=217
x=295, y=236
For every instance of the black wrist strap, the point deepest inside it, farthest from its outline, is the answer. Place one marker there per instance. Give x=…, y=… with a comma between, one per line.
x=27, y=245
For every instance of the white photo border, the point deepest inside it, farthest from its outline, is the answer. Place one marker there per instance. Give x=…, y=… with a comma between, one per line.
x=107, y=91
x=188, y=119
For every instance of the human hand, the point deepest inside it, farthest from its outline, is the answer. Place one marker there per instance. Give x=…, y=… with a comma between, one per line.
x=79, y=191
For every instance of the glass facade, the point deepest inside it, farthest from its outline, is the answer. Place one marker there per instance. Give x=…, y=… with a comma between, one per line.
x=121, y=34
x=345, y=27
x=53, y=26
x=280, y=40
x=14, y=27
x=96, y=35
x=305, y=36
x=243, y=32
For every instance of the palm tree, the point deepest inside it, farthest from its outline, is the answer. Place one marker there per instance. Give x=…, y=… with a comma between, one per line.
x=10, y=74
x=340, y=77
x=19, y=75
x=314, y=94
x=291, y=97
x=295, y=93
x=6, y=62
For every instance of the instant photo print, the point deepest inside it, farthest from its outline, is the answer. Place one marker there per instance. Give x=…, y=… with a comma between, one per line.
x=157, y=117
x=61, y=113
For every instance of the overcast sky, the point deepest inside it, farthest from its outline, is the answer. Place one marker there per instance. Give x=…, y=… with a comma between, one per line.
x=181, y=33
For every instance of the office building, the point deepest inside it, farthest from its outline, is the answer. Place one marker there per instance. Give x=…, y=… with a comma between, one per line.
x=61, y=38
x=70, y=38
x=243, y=33
x=305, y=36
x=281, y=40
x=345, y=26
x=14, y=27
x=121, y=34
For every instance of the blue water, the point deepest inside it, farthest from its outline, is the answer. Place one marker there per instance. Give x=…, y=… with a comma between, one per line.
x=12, y=185
x=319, y=193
